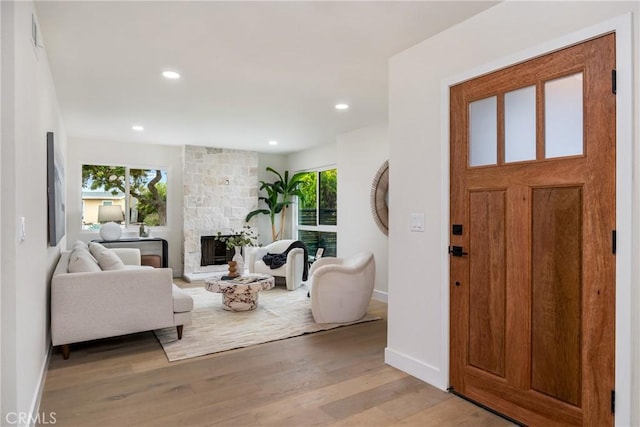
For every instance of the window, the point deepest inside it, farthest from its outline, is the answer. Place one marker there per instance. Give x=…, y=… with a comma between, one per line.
x=318, y=211
x=141, y=193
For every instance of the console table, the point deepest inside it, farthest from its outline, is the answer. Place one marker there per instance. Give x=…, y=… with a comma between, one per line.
x=151, y=249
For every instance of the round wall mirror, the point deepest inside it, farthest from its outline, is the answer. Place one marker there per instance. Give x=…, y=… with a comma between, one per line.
x=380, y=198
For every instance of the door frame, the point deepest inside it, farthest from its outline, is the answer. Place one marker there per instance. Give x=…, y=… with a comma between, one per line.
x=628, y=240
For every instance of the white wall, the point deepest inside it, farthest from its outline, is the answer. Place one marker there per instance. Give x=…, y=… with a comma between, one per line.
x=360, y=154
x=1, y=212
x=30, y=110
x=167, y=157
x=357, y=155
x=263, y=222
x=418, y=291
x=313, y=158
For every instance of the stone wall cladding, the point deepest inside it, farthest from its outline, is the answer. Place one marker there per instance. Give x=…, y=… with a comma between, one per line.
x=220, y=188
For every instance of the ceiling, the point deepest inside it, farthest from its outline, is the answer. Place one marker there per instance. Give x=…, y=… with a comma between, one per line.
x=250, y=71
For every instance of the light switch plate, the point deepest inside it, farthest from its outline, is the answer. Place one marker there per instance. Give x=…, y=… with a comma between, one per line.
x=417, y=222
x=22, y=231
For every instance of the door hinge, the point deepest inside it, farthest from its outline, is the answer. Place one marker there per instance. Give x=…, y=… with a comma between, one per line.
x=614, y=82
x=613, y=241
x=613, y=401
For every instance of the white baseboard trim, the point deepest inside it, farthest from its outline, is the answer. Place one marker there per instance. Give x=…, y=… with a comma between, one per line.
x=414, y=367
x=380, y=296
x=34, y=410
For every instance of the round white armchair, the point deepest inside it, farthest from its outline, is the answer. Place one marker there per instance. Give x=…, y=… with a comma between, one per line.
x=341, y=288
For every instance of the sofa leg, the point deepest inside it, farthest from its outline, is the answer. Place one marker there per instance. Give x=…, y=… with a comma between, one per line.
x=65, y=351
x=179, y=328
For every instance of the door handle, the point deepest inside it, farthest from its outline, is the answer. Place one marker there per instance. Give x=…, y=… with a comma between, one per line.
x=457, y=251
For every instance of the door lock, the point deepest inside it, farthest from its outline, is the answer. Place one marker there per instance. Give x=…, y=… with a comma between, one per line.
x=457, y=251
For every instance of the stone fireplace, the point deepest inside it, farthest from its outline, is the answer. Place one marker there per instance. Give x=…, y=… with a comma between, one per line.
x=220, y=188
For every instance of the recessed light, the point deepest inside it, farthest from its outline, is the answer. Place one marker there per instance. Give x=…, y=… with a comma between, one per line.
x=170, y=75
x=342, y=106
x=137, y=128
x=273, y=142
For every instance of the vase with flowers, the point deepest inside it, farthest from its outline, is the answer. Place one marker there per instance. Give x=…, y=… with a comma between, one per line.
x=236, y=241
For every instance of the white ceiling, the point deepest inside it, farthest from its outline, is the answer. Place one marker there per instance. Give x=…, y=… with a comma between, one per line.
x=251, y=71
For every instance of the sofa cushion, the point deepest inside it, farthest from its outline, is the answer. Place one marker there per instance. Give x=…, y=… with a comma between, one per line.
x=182, y=301
x=107, y=259
x=81, y=261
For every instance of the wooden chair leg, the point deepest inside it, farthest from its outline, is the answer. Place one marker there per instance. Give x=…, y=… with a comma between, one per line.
x=179, y=329
x=66, y=350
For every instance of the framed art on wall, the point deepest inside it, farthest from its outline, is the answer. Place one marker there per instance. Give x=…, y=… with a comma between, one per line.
x=55, y=192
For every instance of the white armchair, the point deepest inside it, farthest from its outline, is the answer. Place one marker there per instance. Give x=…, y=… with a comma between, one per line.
x=341, y=288
x=292, y=271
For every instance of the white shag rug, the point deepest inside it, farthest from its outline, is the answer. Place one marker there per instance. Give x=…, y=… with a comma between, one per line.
x=280, y=314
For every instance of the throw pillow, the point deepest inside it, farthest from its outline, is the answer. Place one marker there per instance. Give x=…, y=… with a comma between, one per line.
x=107, y=259
x=79, y=244
x=81, y=261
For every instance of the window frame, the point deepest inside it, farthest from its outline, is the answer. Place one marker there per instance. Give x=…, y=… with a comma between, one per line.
x=127, y=225
x=319, y=228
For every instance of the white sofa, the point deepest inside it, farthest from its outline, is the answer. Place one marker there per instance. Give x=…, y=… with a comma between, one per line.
x=341, y=288
x=99, y=304
x=292, y=271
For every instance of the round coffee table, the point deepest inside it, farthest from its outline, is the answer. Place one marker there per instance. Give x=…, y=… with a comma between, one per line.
x=241, y=293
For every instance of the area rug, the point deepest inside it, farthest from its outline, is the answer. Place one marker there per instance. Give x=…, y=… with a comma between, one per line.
x=280, y=314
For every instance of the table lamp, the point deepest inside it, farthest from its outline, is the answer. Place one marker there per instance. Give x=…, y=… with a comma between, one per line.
x=109, y=216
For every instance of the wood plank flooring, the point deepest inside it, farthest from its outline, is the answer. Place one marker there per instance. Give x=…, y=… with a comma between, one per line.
x=332, y=378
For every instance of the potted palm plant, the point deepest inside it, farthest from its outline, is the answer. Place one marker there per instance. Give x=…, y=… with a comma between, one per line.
x=279, y=197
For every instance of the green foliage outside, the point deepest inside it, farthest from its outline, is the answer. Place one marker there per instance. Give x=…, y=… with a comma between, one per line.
x=308, y=189
x=327, y=190
x=144, y=184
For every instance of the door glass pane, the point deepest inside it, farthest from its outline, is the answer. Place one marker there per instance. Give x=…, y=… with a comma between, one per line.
x=563, y=116
x=483, y=132
x=520, y=125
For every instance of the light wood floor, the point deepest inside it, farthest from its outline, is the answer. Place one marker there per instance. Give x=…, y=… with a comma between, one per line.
x=332, y=378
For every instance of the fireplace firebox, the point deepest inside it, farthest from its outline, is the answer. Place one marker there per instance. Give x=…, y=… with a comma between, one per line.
x=214, y=250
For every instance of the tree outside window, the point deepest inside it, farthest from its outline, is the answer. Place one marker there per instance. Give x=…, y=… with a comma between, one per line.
x=142, y=193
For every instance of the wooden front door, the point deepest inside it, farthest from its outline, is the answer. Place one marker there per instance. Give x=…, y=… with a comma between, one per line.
x=532, y=223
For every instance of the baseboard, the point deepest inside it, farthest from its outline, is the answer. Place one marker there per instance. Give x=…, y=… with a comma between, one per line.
x=380, y=296
x=34, y=411
x=414, y=367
